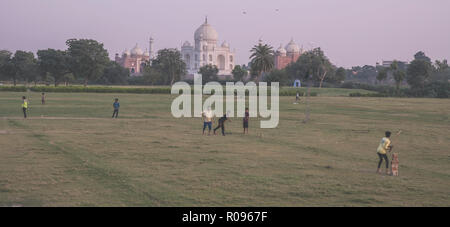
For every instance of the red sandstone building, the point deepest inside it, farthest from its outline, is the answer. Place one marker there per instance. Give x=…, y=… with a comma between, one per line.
x=135, y=59
x=287, y=55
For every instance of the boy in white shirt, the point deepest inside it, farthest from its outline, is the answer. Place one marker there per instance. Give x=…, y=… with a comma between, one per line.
x=208, y=117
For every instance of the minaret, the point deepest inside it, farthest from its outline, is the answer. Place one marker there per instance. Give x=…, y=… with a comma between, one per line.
x=150, y=50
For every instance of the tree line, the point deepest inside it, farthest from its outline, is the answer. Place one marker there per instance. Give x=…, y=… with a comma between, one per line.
x=312, y=67
x=416, y=74
x=84, y=61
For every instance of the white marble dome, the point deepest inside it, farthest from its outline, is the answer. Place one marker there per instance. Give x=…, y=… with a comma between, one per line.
x=225, y=44
x=126, y=52
x=292, y=47
x=187, y=44
x=207, y=32
x=281, y=50
x=137, y=51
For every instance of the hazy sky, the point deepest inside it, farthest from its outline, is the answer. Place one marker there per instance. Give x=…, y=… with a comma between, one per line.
x=351, y=32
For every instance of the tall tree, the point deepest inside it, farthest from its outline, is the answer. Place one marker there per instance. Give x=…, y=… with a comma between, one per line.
x=398, y=74
x=153, y=76
x=7, y=70
x=262, y=59
x=421, y=56
x=312, y=66
x=441, y=71
x=55, y=63
x=340, y=75
x=382, y=74
x=88, y=58
x=419, y=70
x=114, y=74
x=321, y=66
x=278, y=76
x=170, y=63
x=24, y=66
x=209, y=73
x=441, y=66
x=239, y=73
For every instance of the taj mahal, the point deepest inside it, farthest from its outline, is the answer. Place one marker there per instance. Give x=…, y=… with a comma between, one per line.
x=206, y=51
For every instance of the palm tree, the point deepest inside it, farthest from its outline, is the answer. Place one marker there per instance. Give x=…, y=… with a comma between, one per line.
x=398, y=74
x=261, y=59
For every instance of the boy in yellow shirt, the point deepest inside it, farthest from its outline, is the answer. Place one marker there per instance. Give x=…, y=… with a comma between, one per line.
x=385, y=145
x=24, y=106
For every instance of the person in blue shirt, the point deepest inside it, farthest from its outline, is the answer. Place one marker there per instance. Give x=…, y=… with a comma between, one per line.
x=116, y=106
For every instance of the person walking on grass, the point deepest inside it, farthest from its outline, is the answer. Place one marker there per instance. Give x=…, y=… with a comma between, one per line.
x=245, y=120
x=385, y=145
x=208, y=117
x=116, y=106
x=24, y=106
x=222, y=124
x=43, y=98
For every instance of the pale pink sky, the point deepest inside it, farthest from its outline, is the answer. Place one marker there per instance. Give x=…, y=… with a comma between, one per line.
x=351, y=32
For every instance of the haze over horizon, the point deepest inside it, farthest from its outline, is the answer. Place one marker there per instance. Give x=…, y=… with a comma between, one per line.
x=351, y=32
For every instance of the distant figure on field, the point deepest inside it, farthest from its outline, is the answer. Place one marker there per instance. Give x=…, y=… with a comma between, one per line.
x=43, y=98
x=116, y=106
x=24, y=106
x=221, y=124
x=297, y=98
x=382, y=149
x=245, y=120
x=208, y=117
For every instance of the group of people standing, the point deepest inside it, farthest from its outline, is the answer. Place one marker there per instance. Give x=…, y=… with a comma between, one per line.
x=208, y=118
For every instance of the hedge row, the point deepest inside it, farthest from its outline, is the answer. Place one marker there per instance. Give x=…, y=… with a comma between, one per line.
x=78, y=89
x=152, y=90
x=357, y=94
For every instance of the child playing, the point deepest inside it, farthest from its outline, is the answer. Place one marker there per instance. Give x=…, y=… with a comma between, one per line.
x=207, y=120
x=221, y=124
x=382, y=149
x=116, y=106
x=24, y=106
x=245, y=120
x=43, y=98
x=297, y=98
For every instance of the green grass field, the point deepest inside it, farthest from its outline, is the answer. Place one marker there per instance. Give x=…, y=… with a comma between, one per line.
x=71, y=153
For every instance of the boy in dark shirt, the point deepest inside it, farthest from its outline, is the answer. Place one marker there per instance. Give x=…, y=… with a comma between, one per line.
x=116, y=106
x=245, y=121
x=43, y=98
x=221, y=124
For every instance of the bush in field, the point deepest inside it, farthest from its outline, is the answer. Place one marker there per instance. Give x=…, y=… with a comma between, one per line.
x=15, y=88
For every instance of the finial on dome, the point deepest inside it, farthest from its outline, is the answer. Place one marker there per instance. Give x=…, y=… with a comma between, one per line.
x=206, y=19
